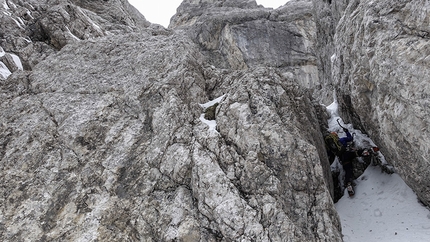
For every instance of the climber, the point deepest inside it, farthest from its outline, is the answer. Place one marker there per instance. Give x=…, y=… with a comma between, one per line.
x=346, y=159
x=336, y=146
x=341, y=147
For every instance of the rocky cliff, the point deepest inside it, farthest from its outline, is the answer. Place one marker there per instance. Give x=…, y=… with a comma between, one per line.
x=35, y=29
x=241, y=35
x=103, y=135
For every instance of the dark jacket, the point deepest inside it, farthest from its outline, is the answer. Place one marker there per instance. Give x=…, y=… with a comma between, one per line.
x=349, y=155
x=344, y=140
x=346, y=159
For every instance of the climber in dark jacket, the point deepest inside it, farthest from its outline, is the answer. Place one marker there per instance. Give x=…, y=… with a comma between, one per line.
x=336, y=145
x=346, y=159
x=348, y=155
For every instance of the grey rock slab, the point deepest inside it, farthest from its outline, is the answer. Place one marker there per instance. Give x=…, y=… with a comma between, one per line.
x=102, y=140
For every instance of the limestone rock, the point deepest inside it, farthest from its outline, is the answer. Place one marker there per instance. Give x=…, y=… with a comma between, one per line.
x=114, y=150
x=243, y=35
x=210, y=112
x=327, y=14
x=101, y=140
x=37, y=28
x=101, y=132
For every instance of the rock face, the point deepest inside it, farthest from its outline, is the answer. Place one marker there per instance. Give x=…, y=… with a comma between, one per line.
x=35, y=29
x=380, y=69
x=102, y=136
x=115, y=150
x=240, y=35
x=327, y=14
x=102, y=129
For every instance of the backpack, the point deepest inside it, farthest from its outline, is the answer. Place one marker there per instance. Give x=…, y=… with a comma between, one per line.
x=333, y=144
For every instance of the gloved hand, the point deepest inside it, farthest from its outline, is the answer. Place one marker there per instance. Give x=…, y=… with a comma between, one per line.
x=365, y=152
x=345, y=130
x=362, y=152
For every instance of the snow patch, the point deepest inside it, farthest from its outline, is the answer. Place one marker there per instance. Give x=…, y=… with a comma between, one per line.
x=29, y=14
x=21, y=21
x=27, y=39
x=211, y=103
x=5, y=6
x=210, y=123
x=96, y=26
x=17, y=61
x=18, y=23
x=333, y=58
x=71, y=34
x=12, y=4
x=383, y=209
x=4, y=71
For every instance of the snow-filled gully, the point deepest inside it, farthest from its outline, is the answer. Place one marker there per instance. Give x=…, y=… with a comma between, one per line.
x=383, y=208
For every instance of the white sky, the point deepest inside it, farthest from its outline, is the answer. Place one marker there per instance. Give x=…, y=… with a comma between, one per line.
x=161, y=11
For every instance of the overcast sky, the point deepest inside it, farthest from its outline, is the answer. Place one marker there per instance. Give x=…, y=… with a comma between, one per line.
x=160, y=11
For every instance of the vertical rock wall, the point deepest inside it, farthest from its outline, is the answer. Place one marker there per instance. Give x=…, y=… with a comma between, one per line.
x=104, y=142
x=240, y=35
x=327, y=14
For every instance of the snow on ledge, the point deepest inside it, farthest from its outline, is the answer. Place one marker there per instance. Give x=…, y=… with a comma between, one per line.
x=4, y=71
x=17, y=61
x=210, y=123
x=211, y=103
